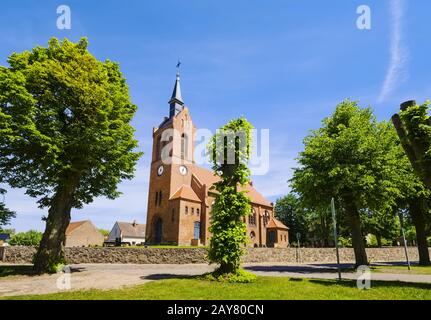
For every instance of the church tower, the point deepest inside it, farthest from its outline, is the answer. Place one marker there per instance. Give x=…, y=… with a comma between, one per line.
x=180, y=196
x=171, y=172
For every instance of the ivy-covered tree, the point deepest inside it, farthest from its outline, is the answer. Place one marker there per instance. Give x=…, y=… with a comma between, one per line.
x=348, y=159
x=230, y=149
x=69, y=136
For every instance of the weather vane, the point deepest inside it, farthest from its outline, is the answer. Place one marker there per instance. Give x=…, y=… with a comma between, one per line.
x=178, y=66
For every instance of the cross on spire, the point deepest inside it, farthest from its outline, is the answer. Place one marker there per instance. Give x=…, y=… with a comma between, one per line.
x=176, y=103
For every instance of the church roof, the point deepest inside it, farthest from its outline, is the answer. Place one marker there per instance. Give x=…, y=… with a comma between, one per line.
x=276, y=224
x=185, y=192
x=207, y=177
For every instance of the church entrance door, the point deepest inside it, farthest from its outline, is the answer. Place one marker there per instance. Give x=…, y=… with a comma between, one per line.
x=197, y=231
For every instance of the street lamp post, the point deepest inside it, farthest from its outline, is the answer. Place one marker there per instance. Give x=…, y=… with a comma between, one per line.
x=404, y=239
x=334, y=222
x=298, y=235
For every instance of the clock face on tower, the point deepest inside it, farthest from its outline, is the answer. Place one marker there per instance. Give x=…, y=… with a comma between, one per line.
x=160, y=170
x=183, y=170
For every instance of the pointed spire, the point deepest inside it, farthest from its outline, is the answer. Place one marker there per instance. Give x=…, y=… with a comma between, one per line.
x=176, y=94
x=176, y=103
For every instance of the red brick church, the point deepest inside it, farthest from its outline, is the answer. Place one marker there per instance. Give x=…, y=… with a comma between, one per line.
x=179, y=197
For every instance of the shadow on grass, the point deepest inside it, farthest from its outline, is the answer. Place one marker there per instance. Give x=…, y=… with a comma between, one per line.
x=394, y=264
x=374, y=284
x=165, y=276
x=27, y=270
x=303, y=269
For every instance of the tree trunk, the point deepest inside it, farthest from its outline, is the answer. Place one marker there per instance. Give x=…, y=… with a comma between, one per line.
x=227, y=267
x=51, y=249
x=417, y=211
x=356, y=232
x=379, y=240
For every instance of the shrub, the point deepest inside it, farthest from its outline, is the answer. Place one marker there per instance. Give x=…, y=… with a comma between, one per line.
x=29, y=238
x=344, y=242
x=239, y=276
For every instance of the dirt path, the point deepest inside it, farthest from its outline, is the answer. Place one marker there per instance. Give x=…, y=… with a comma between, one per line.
x=96, y=276
x=111, y=276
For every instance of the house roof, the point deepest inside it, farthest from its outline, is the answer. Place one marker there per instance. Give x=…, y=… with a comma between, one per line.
x=132, y=229
x=73, y=226
x=4, y=236
x=207, y=177
x=185, y=192
x=276, y=224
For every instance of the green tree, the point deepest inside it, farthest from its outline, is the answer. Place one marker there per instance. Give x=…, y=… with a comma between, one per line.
x=381, y=224
x=104, y=232
x=5, y=214
x=413, y=126
x=70, y=138
x=348, y=159
x=29, y=238
x=230, y=149
x=289, y=211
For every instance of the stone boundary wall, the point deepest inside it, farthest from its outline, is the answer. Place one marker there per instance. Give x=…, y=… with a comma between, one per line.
x=21, y=255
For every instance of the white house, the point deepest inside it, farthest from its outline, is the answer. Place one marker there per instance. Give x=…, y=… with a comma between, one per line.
x=127, y=233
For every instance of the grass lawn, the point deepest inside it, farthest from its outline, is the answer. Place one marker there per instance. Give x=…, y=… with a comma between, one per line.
x=271, y=288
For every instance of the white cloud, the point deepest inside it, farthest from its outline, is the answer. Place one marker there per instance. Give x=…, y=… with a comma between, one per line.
x=398, y=52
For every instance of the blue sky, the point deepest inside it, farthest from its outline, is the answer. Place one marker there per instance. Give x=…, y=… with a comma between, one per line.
x=283, y=64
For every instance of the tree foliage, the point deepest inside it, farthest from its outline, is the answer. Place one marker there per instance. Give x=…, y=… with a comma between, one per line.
x=352, y=158
x=288, y=210
x=67, y=137
x=413, y=126
x=231, y=204
x=5, y=214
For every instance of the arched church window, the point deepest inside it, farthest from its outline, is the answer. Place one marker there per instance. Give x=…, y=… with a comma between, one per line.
x=160, y=198
x=266, y=218
x=252, y=218
x=159, y=148
x=193, y=210
x=197, y=211
x=252, y=235
x=187, y=210
x=157, y=198
x=184, y=146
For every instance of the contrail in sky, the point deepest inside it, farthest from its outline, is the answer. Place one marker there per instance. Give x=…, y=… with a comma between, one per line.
x=398, y=53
